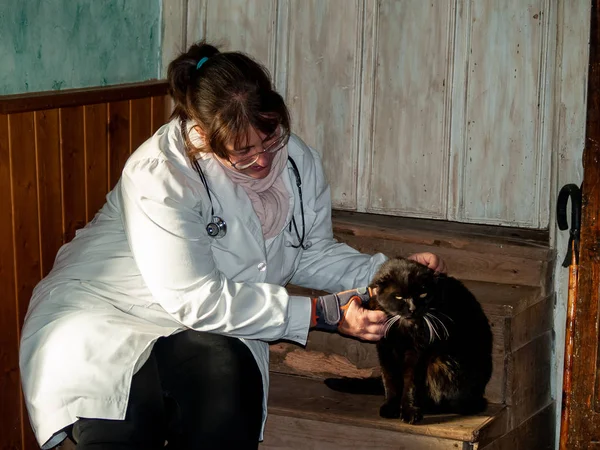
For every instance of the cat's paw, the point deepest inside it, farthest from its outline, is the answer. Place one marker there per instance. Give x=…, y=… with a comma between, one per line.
x=411, y=414
x=390, y=410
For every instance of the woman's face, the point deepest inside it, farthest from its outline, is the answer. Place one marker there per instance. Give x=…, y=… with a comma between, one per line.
x=253, y=147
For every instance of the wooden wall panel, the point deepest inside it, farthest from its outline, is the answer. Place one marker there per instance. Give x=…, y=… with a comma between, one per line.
x=10, y=406
x=425, y=109
x=25, y=211
x=323, y=86
x=73, y=169
x=313, y=50
x=160, y=114
x=456, y=99
x=407, y=138
x=54, y=173
x=235, y=25
x=96, y=157
x=141, y=122
x=501, y=175
x=27, y=257
x=118, y=139
x=47, y=137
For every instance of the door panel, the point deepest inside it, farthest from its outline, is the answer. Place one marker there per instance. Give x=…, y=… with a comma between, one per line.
x=409, y=147
x=583, y=428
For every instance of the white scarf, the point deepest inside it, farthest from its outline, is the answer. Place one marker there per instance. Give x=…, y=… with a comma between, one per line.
x=269, y=196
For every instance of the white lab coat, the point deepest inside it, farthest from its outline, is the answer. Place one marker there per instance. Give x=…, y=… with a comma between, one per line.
x=145, y=267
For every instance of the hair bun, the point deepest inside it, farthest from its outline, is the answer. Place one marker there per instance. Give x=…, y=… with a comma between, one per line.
x=181, y=73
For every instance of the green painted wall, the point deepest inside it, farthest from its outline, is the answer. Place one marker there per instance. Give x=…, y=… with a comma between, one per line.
x=63, y=44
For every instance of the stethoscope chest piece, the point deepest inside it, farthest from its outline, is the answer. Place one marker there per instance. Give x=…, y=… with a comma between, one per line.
x=217, y=228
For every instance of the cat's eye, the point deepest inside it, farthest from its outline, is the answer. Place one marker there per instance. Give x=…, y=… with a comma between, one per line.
x=423, y=295
x=398, y=297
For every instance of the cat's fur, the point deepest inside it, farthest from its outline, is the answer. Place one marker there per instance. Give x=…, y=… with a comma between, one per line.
x=437, y=353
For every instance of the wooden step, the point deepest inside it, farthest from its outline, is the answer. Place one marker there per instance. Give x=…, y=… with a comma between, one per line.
x=304, y=413
x=473, y=252
x=521, y=321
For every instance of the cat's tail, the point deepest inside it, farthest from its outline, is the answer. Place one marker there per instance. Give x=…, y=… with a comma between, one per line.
x=367, y=386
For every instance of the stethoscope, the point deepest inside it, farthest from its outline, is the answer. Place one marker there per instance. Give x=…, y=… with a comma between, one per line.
x=217, y=228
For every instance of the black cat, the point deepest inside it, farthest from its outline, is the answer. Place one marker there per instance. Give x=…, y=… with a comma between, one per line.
x=436, y=356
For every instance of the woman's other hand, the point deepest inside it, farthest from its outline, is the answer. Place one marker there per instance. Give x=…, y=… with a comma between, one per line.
x=430, y=260
x=362, y=323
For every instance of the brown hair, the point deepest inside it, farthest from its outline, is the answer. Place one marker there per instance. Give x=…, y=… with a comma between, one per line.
x=227, y=96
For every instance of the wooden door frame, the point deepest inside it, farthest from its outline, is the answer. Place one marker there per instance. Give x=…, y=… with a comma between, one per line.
x=584, y=423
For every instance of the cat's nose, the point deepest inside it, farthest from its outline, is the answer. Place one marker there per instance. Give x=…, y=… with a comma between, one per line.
x=411, y=305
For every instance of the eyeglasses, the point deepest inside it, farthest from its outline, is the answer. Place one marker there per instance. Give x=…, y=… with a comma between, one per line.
x=246, y=161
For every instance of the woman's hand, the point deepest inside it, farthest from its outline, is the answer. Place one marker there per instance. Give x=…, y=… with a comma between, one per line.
x=362, y=323
x=430, y=260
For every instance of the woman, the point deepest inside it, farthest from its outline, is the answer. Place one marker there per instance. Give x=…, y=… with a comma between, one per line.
x=153, y=324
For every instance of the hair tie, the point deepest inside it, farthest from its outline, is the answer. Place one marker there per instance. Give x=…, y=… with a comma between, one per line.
x=202, y=61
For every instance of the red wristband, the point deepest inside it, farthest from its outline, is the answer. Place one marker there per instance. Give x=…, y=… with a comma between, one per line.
x=313, y=312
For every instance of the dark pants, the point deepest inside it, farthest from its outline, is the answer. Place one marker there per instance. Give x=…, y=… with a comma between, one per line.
x=197, y=391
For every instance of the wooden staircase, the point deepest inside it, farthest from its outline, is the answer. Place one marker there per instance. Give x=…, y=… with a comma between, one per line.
x=510, y=273
x=508, y=270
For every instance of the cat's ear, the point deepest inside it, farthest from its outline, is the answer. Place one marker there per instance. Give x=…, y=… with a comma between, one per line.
x=382, y=277
x=378, y=284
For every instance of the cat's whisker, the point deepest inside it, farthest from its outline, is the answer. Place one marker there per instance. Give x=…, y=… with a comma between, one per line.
x=387, y=330
x=441, y=322
x=436, y=331
x=429, y=328
x=434, y=324
x=449, y=318
x=445, y=327
x=390, y=322
x=432, y=329
x=438, y=320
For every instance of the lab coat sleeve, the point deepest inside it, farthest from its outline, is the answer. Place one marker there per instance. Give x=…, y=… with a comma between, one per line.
x=166, y=234
x=329, y=265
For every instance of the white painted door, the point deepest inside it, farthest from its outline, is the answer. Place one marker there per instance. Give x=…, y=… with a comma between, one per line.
x=438, y=109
